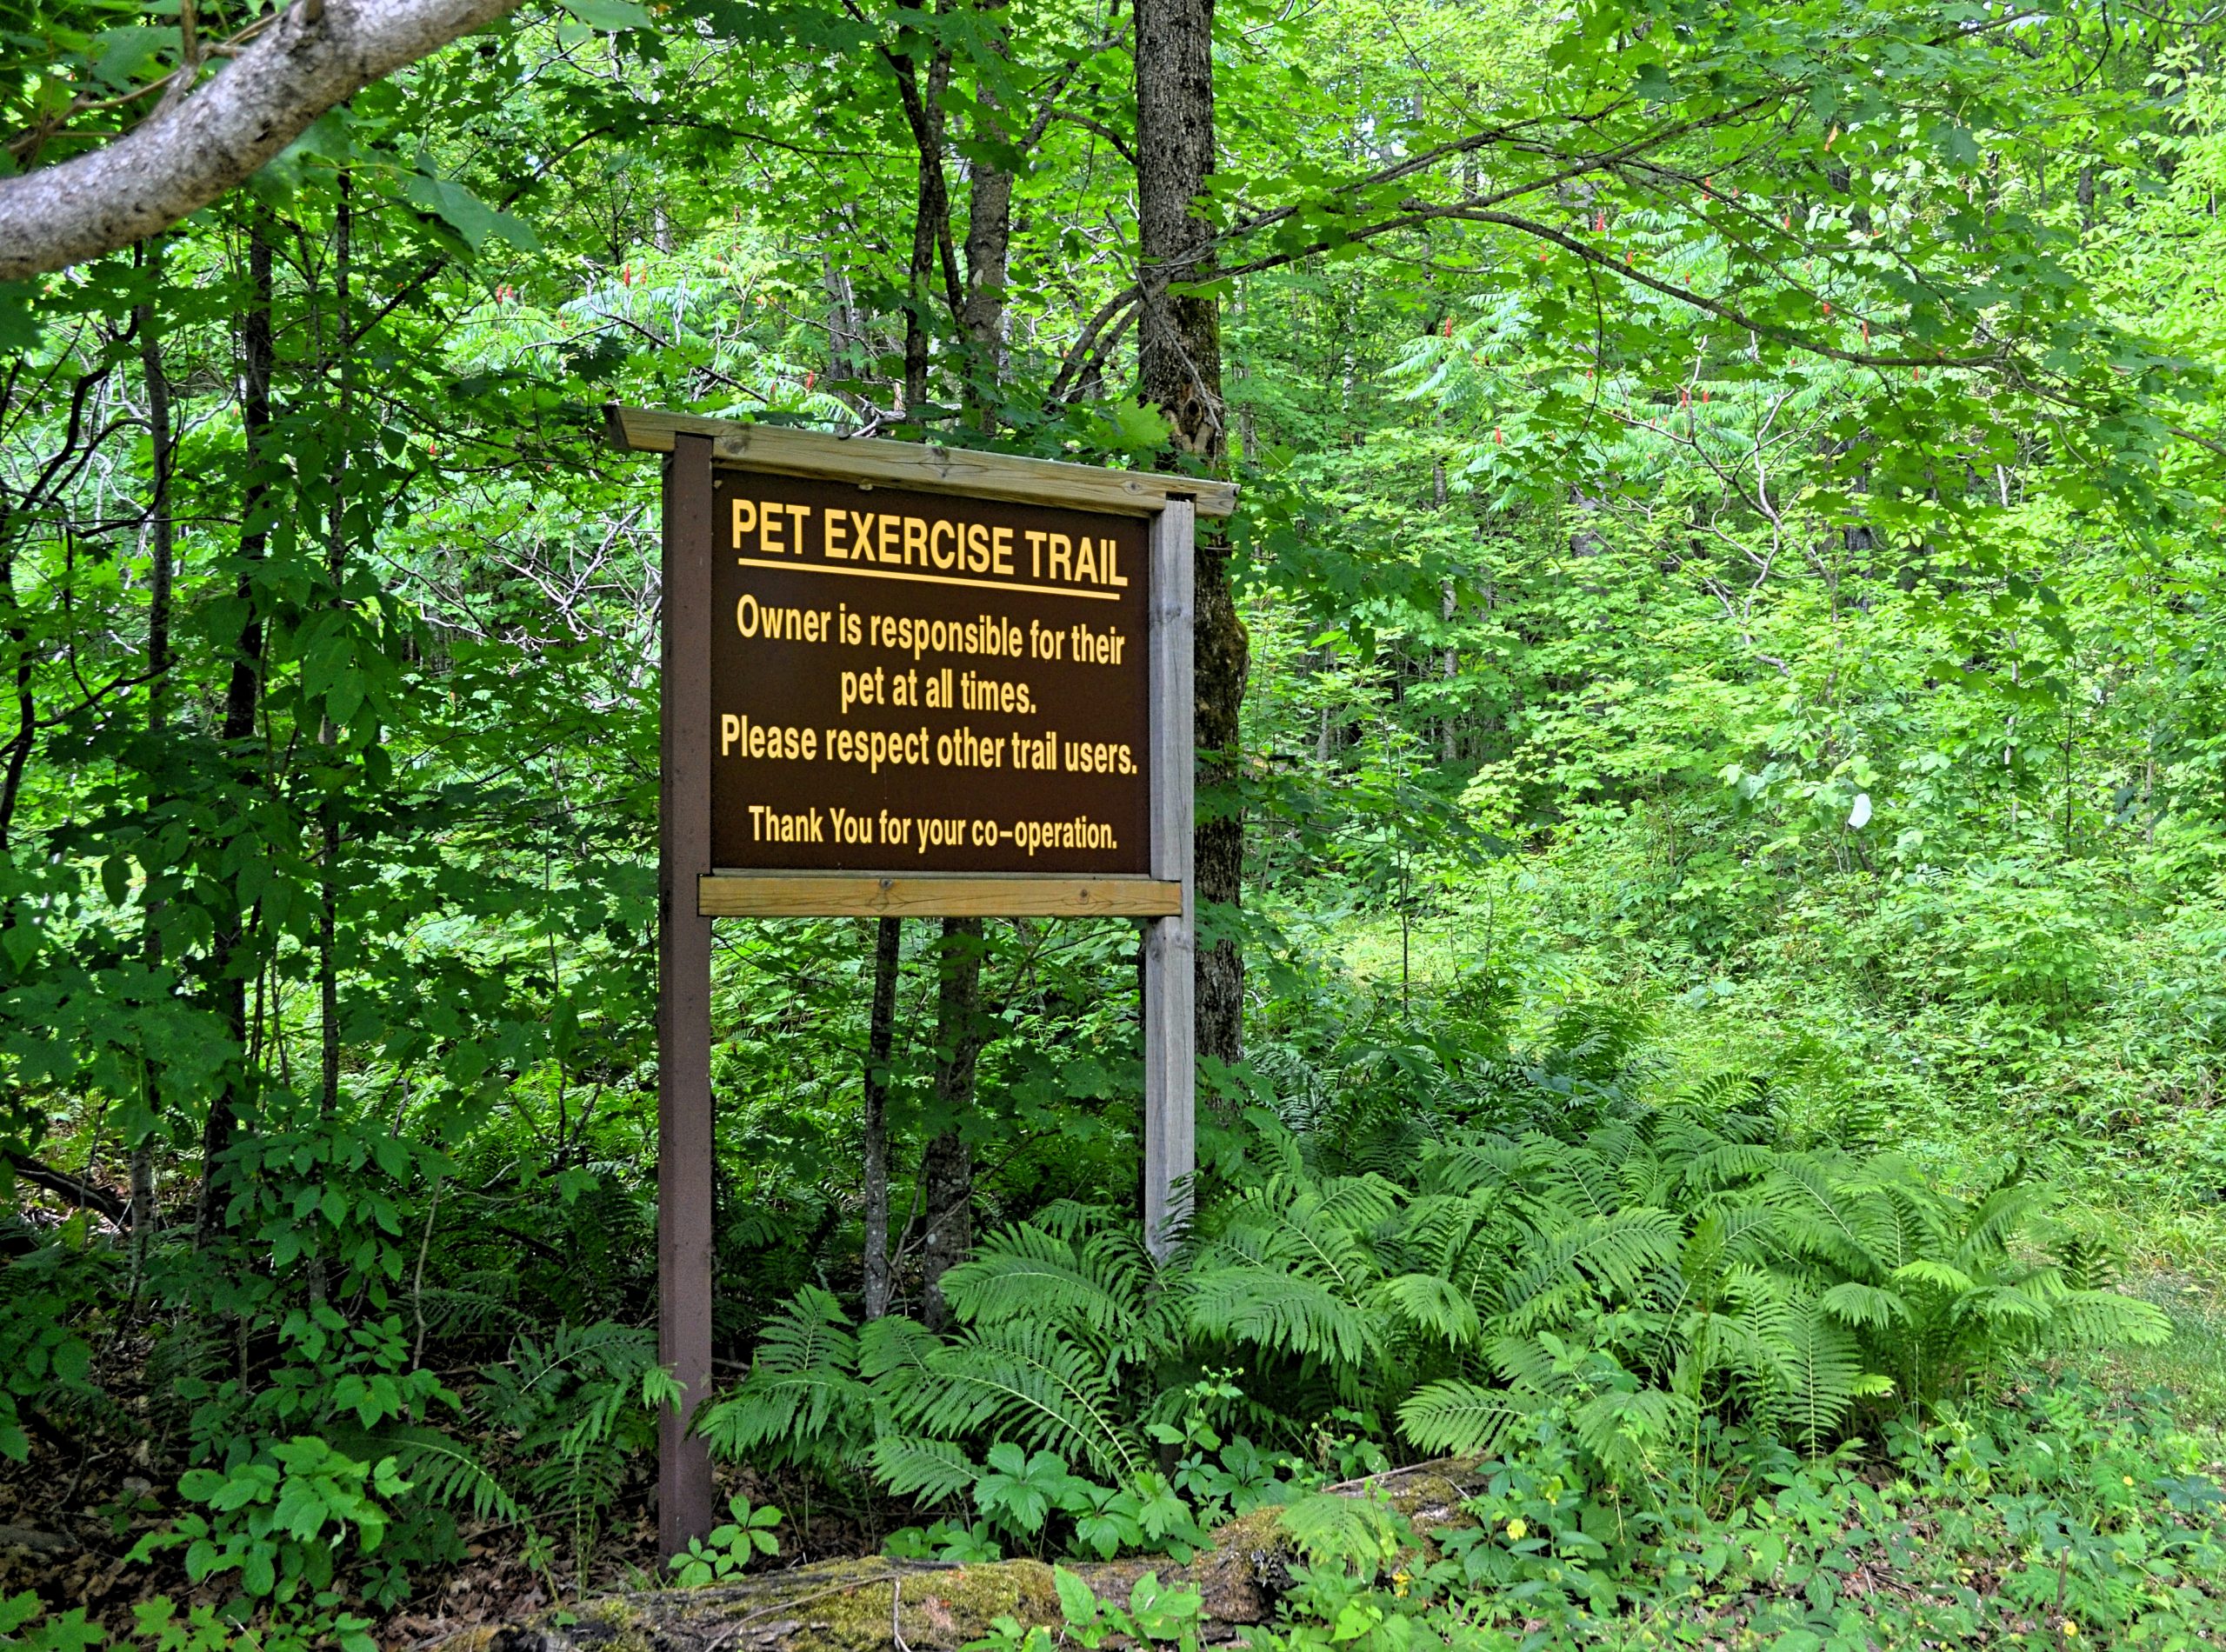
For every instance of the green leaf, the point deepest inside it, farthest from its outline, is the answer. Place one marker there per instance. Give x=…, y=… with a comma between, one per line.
x=122, y=56
x=610, y=15
x=1076, y=1603
x=18, y=1610
x=466, y=214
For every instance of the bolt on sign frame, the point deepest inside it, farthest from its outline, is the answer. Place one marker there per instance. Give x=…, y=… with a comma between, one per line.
x=1097, y=868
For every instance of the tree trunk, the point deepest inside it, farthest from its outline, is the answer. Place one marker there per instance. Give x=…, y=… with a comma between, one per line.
x=848, y=353
x=1178, y=362
x=1449, y=668
x=988, y=247
x=930, y=219
x=242, y=697
x=1449, y=657
x=947, y=1168
x=161, y=541
x=335, y=569
x=881, y=1037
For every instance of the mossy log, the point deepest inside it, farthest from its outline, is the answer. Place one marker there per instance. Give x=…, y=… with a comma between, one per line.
x=880, y=1605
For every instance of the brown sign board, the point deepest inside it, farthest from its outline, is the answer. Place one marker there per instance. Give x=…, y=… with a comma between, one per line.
x=908, y=682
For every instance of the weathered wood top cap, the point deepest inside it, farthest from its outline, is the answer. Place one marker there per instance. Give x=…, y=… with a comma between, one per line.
x=920, y=464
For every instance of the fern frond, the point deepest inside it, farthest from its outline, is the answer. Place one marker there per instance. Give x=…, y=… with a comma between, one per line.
x=1325, y=1528
x=892, y=1346
x=1901, y=1221
x=1471, y=1167
x=1461, y=1419
x=1994, y=1223
x=1926, y=1270
x=1607, y=1255
x=1429, y=1303
x=1726, y=1092
x=1026, y=1383
x=1817, y=1218
x=1625, y=1427
x=2104, y=1319
x=1729, y=1163
x=1279, y=1310
x=1865, y=1306
x=1726, y=1238
x=1025, y=1272
x=1577, y=1177
x=928, y=1471
x=802, y=1401
x=441, y=1470
x=1822, y=1365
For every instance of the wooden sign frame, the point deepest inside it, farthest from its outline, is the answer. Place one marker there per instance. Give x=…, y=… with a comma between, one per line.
x=689, y=894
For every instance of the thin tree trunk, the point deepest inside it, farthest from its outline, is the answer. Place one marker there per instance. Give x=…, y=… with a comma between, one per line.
x=1449, y=657
x=242, y=696
x=881, y=1034
x=335, y=569
x=930, y=226
x=849, y=355
x=1178, y=353
x=1449, y=668
x=947, y=1168
x=989, y=246
x=162, y=571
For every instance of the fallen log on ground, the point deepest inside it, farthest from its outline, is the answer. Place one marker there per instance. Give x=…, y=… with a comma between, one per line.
x=878, y=1605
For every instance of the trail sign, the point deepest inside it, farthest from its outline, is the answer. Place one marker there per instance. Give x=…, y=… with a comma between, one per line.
x=901, y=680
x=907, y=681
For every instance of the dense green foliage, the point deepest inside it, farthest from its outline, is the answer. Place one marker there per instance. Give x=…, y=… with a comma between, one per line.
x=1733, y=769
x=1677, y=1295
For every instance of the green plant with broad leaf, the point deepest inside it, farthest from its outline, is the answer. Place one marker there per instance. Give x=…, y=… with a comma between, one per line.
x=747, y=1536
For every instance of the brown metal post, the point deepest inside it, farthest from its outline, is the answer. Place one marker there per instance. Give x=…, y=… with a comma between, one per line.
x=685, y=992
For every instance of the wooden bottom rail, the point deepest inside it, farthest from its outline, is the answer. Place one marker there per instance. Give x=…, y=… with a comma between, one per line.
x=796, y=895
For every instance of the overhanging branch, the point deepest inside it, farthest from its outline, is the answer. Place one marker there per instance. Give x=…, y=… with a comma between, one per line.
x=185, y=156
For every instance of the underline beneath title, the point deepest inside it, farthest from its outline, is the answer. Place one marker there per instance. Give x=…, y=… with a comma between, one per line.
x=931, y=579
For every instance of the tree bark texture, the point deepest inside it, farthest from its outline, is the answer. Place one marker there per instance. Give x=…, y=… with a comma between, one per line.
x=988, y=251
x=193, y=148
x=1179, y=368
x=328, y=976
x=161, y=556
x=875, y=1605
x=881, y=1038
x=947, y=1168
x=931, y=214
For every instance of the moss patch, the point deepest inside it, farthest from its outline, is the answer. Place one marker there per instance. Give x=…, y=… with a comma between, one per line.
x=845, y=1605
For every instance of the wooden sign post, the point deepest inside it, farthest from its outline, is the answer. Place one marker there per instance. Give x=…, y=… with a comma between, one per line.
x=904, y=680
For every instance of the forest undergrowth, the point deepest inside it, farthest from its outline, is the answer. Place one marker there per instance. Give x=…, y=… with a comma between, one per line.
x=1712, y=736
x=1763, y=1337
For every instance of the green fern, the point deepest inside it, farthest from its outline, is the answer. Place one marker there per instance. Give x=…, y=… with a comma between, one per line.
x=1460, y=1418
x=932, y=1471
x=1023, y=1382
x=803, y=1401
x=1824, y=1365
x=1621, y=1278
x=1091, y=1280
